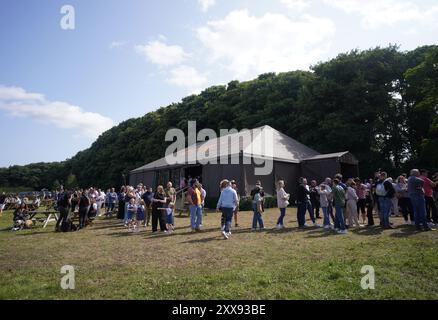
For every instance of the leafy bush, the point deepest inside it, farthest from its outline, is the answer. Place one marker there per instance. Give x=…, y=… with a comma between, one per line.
x=245, y=204
x=270, y=202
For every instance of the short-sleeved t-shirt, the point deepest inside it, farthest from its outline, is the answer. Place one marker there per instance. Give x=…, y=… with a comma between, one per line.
x=415, y=186
x=427, y=186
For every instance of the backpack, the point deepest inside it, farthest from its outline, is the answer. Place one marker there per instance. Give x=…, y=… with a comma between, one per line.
x=380, y=189
x=68, y=226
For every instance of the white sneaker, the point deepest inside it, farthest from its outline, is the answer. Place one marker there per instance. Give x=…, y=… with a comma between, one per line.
x=327, y=227
x=229, y=233
x=343, y=231
x=225, y=235
x=317, y=225
x=279, y=227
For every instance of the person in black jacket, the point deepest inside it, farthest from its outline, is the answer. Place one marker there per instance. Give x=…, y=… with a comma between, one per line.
x=84, y=205
x=158, y=201
x=64, y=204
x=147, y=198
x=304, y=204
x=314, y=198
x=121, y=198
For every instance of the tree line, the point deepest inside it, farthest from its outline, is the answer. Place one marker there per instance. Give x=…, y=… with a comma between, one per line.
x=380, y=104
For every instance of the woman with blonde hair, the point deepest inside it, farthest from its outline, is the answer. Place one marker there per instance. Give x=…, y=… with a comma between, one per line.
x=282, y=203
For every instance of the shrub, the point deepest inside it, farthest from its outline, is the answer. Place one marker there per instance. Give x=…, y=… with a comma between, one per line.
x=270, y=202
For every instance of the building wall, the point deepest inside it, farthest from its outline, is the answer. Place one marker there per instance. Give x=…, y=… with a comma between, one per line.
x=251, y=178
x=320, y=169
x=212, y=174
x=147, y=178
x=290, y=173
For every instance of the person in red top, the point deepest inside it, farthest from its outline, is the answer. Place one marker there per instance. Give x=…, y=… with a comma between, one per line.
x=431, y=209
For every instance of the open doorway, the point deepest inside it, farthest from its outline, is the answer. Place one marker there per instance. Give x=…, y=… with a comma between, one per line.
x=349, y=170
x=194, y=172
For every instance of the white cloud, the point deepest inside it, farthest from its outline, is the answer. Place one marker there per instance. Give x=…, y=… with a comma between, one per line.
x=19, y=103
x=117, y=44
x=251, y=45
x=17, y=93
x=378, y=13
x=206, y=4
x=162, y=54
x=298, y=5
x=187, y=77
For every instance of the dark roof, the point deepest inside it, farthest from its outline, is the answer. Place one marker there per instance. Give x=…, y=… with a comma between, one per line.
x=249, y=143
x=345, y=156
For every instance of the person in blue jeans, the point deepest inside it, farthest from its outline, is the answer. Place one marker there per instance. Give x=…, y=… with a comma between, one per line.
x=257, y=207
x=385, y=191
x=195, y=199
x=339, y=202
x=304, y=204
x=227, y=203
x=416, y=194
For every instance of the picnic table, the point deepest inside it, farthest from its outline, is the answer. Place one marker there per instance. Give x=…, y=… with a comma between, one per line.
x=51, y=215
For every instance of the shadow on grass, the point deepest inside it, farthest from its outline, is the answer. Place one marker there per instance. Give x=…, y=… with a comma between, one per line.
x=405, y=231
x=204, y=240
x=320, y=233
x=281, y=231
x=367, y=231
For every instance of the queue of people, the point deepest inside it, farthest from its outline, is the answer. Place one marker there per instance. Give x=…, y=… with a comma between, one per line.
x=344, y=203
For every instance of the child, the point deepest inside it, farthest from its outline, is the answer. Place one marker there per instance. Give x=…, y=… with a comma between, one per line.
x=257, y=206
x=20, y=217
x=131, y=212
x=169, y=217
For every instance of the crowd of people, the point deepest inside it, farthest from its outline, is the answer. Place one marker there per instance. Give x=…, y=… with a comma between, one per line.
x=344, y=203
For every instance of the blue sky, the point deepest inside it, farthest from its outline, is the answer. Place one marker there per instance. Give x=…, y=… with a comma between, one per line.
x=59, y=89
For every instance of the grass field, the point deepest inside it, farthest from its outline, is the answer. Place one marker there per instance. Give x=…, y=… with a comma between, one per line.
x=113, y=263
